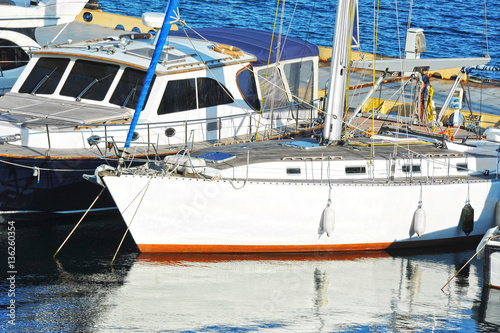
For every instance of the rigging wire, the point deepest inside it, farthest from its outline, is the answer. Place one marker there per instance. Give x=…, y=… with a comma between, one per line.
x=375, y=36
x=485, y=29
x=275, y=70
x=267, y=68
x=352, y=11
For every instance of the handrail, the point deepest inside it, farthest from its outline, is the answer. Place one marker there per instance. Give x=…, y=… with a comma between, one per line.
x=41, y=122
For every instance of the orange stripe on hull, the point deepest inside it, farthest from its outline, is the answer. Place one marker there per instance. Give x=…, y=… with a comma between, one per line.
x=190, y=248
x=176, y=248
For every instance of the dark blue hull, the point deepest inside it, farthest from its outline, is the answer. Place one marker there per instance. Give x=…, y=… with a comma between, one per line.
x=56, y=188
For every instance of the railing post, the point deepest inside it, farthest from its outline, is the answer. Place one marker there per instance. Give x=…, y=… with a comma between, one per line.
x=220, y=127
x=47, y=153
x=149, y=140
x=249, y=126
x=496, y=173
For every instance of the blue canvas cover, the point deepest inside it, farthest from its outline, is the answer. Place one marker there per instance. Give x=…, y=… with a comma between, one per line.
x=255, y=42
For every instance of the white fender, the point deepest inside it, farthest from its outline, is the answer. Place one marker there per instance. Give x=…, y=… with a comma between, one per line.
x=327, y=223
x=419, y=221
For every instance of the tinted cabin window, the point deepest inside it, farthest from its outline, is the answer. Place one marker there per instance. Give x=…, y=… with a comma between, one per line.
x=129, y=88
x=246, y=84
x=11, y=55
x=293, y=171
x=211, y=93
x=355, y=169
x=89, y=80
x=45, y=76
x=410, y=168
x=180, y=95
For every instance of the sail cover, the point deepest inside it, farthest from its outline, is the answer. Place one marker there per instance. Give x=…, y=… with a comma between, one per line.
x=255, y=42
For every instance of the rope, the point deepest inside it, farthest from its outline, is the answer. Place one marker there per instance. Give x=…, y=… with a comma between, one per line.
x=245, y=182
x=44, y=169
x=468, y=178
x=486, y=28
x=475, y=254
x=352, y=10
x=208, y=68
x=267, y=68
x=297, y=98
x=372, y=146
x=421, y=185
x=329, y=182
x=76, y=226
x=266, y=81
x=132, y=220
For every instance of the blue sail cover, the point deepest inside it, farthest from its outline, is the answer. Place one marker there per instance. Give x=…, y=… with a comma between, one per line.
x=172, y=12
x=255, y=42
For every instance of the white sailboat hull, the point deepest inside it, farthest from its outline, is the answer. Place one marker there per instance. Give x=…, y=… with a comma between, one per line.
x=173, y=214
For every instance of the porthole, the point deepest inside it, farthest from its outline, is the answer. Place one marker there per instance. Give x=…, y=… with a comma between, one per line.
x=170, y=132
x=88, y=17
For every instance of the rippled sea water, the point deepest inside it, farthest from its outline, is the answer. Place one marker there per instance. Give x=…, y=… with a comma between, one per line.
x=454, y=28
x=79, y=291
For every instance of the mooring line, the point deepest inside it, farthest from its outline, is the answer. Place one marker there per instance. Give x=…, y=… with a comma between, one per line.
x=475, y=254
x=76, y=226
x=132, y=220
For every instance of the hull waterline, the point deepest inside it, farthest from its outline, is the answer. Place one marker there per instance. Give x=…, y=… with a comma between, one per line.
x=182, y=215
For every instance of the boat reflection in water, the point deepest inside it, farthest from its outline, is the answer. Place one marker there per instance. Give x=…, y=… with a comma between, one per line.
x=296, y=293
x=488, y=310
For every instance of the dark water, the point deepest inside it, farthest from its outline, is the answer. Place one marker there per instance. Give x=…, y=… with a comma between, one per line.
x=454, y=28
x=80, y=292
x=372, y=292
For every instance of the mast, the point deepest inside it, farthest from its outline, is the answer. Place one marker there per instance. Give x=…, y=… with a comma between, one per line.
x=338, y=73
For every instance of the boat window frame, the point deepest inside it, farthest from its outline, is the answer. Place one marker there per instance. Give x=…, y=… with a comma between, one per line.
x=115, y=88
x=192, y=97
x=57, y=79
x=223, y=97
x=309, y=90
x=86, y=90
x=254, y=102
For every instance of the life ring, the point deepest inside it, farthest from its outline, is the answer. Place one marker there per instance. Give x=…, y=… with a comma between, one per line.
x=227, y=49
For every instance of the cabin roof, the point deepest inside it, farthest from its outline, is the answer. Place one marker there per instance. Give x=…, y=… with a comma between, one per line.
x=255, y=42
x=178, y=54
